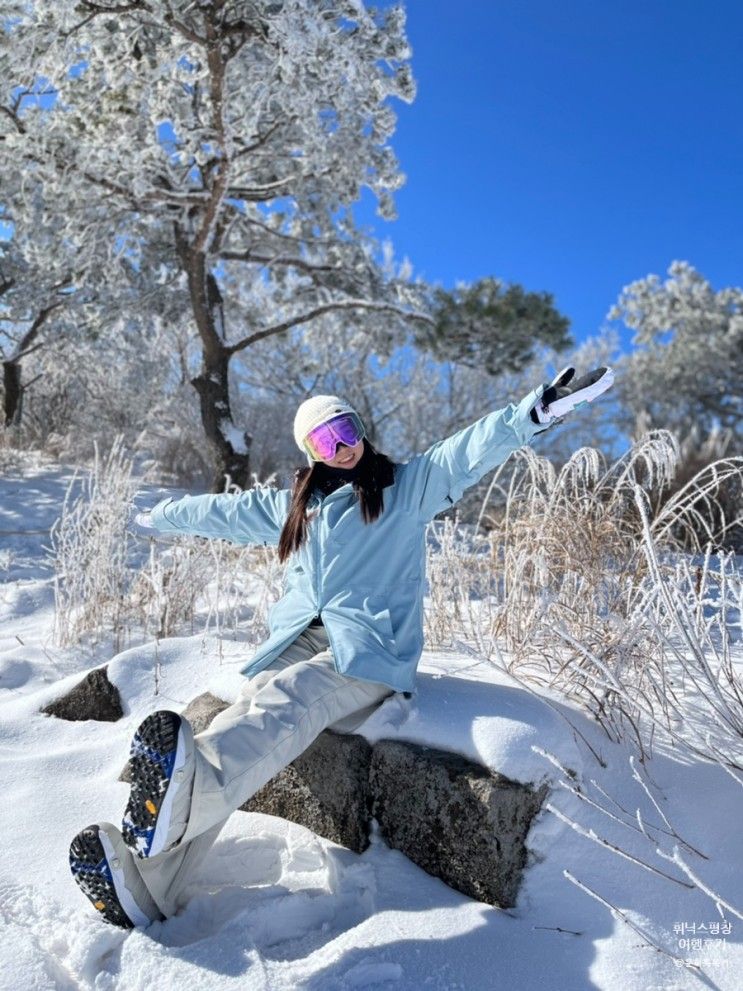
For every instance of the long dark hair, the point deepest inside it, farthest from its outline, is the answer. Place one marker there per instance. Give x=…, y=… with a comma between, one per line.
x=376, y=471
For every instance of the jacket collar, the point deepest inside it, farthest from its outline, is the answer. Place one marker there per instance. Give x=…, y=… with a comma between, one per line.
x=342, y=490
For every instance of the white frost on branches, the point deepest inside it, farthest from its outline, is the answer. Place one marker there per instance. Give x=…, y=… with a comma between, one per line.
x=687, y=367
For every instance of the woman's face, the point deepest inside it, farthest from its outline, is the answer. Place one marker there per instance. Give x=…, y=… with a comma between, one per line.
x=346, y=457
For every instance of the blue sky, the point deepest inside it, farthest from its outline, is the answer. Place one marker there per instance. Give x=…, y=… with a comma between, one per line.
x=572, y=147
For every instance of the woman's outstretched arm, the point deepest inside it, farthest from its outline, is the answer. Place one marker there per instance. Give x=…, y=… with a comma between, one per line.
x=255, y=516
x=440, y=475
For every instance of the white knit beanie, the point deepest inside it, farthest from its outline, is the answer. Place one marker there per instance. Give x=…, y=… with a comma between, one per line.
x=314, y=411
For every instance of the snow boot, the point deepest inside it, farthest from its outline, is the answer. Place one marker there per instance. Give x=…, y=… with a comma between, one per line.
x=106, y=873
x=162, y=772
x=563, y=395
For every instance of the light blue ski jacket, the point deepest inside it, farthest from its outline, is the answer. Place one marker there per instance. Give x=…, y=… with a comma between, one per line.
x=366, y=580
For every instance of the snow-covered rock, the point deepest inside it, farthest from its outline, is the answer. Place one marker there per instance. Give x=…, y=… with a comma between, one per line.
x=456, y=819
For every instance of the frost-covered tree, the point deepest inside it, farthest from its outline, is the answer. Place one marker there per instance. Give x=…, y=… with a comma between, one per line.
x=35, y=285
x=687, y=367
x=70, y=298
x=17, y=342
x=225, y=139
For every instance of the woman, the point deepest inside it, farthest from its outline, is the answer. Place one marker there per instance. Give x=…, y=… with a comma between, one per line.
x=347, y=634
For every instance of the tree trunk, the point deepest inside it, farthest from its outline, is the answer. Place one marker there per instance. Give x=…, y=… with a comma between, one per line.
x=13, y=397
x=12, y=391
x=230, y=448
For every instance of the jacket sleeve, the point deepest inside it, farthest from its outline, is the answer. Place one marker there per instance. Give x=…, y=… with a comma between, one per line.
x=255, y=516
x=440, y=475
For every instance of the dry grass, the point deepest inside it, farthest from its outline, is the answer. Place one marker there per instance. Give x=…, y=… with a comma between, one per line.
x=104, y=589
x=588, y=590
x=584, y=578
x=88, y=554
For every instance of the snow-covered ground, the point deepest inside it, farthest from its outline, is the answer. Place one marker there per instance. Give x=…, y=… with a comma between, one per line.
x=274, y=906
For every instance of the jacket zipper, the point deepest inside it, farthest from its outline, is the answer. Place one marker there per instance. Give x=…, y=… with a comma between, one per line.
x=316, y=554
x=316, y=562
x=317, y=583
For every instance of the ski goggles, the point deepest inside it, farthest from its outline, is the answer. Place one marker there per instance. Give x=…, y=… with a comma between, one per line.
x=322, y=441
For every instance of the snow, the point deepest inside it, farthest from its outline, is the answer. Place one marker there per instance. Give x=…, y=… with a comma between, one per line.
x=275, y=907
x=481, y=717
x=233, y=435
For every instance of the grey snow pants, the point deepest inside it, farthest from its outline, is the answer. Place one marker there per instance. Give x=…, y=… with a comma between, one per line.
x=279, y=713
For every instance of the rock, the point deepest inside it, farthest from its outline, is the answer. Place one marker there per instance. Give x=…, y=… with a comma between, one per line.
x=202, y=710
x=455, y=819
x=326, y=789
x=92, y=698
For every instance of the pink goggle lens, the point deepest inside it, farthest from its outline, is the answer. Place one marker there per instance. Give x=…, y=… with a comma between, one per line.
x=322, y=441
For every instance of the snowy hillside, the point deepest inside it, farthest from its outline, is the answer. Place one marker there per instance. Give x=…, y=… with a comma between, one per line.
x=274, y=906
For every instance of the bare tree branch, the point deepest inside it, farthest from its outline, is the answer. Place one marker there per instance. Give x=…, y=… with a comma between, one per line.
x=250, y=256
x=350, y=304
